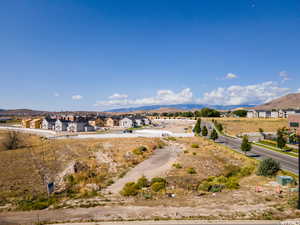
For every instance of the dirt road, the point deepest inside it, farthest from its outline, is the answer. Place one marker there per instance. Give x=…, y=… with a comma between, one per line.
x=160, y=162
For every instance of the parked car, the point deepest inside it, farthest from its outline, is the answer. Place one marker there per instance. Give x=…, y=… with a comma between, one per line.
x=127, y=131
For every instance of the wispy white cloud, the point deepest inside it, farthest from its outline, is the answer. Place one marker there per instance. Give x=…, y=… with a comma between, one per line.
x=56, y=94
x=298, y=90
x=231, y=76
x=77, y=97
x=284, y=76
x=118, y=96
x=232, y=95
x=162, y=97
x=250, y=94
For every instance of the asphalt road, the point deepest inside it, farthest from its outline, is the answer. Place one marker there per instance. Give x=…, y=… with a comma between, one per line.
x=287, y=162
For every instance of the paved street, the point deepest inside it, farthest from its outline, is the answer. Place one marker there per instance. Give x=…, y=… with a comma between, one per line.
x=287, y=162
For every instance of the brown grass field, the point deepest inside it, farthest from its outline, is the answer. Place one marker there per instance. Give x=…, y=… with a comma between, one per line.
x=23, y=170
x=236, y=126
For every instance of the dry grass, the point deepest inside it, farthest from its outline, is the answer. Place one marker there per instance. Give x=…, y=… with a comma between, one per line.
x=212, y=159
x=22, y=171
x=236, y=126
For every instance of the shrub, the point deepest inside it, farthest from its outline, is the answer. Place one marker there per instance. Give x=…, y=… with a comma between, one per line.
x=268, y=167
x=232, y=183
x=158, y=186
x=142, y=182
x=216, y=188
x=158, y=179
x=140, y=150
x=195, y=146
x=185, y=151
x=194, y=153
x=204, y=186
x=177, y=166
x=35, y=203
x=12, y=140
x=129, y=189
x=191, y=171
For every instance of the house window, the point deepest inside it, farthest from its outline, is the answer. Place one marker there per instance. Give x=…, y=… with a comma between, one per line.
x=294, y=124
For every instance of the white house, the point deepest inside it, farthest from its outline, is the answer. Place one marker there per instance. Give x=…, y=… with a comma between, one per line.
x=138, y=122
x=275, y=114
x=126, y=123
x=61, y=125
x=146, y=121
x=252, y=114
x=76, y=127
x=48, y=123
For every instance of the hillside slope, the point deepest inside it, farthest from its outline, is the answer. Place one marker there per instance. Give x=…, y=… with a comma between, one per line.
x=290, y=101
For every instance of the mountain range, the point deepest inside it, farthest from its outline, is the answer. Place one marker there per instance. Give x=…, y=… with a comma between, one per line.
x=181, y=107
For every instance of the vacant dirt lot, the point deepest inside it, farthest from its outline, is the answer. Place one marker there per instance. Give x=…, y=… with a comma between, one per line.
x=25, y=171
x=235, y=126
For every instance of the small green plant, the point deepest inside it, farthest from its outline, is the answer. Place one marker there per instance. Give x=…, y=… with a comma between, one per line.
x=171, y=138
x=191, y=171
x=129, y=189
x=177, y=165
x=194, y=153
x=195, y=146
x=158, y=179
x=185, y=151
x=158, y=186
x=268, y=167
x=142, y=182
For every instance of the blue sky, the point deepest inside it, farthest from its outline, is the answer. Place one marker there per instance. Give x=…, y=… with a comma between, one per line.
x=95, y=55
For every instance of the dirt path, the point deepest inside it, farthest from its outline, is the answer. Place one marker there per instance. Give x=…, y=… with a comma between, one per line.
x=160, y=162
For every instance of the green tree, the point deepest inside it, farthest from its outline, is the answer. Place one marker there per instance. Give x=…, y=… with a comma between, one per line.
x=214, y=135
x=246, y=145
x=197, y=128
x=204, y=131
x=268, y=167
x=240, y=113
x=281, y=142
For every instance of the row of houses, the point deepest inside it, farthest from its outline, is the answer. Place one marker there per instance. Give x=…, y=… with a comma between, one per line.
x=81, y=124
x=271, y=114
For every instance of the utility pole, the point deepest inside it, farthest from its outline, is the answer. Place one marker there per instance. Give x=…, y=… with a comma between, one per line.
x=298, y=171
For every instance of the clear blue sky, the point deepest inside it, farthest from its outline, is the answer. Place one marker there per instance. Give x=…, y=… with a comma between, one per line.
x=74, y=54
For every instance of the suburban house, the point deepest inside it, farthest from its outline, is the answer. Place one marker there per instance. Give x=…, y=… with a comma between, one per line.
x=98, y=122
x=126, y=123
x=36, y=123
x=26, y=123
x=76, y=126
x=146, y=121
x=48, y=123
x=294, y=123
x=272, y=114
x=61, y=125
x=138, y=122
x=111, y=122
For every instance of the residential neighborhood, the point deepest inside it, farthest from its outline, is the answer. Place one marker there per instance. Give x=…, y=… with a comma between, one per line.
x=272, y=114
x=71, y=123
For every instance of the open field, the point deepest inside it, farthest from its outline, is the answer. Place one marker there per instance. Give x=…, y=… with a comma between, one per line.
x=236, y=126
x=207, y=180
x=25, y=171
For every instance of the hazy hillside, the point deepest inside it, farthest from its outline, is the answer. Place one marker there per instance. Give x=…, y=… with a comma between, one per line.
x=179, y=107
x=290, y=101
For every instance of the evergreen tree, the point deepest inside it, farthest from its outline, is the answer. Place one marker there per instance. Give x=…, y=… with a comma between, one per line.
x=204, y=131
x=246, y=145
x=214, y=135
x=281, y=142
x=197, y=128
